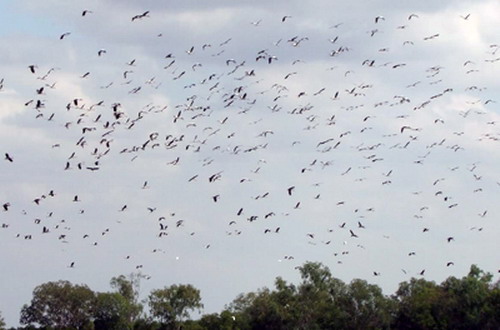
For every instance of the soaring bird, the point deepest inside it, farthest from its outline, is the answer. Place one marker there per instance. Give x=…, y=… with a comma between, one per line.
x=8, y=158
x=145, y=14
x=64, y=35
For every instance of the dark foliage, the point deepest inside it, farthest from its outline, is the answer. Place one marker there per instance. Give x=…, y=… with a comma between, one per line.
x=319, y=301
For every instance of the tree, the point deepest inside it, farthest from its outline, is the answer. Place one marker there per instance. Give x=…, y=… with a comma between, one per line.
x=493, y=310
x=364, y=306
x=320, y=301
x=171, y=305
x=223, y=321
x=112, y=311
x=466, y=303
x=129, y=289
x=2, y=322
x=467, y=300
x=59, y=304
x=419, y=305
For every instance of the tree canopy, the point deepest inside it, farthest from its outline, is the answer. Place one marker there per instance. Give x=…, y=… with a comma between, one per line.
x=318, y=301
x=59, y=304
x=172, y=304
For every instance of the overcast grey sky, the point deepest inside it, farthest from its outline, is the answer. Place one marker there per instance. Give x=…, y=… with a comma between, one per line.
x=224, y=143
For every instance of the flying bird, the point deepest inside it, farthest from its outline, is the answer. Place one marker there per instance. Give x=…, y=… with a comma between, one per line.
x=145, y=14
x=64, y=35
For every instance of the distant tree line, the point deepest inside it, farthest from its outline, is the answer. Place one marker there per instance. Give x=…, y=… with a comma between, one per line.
x=319, y=301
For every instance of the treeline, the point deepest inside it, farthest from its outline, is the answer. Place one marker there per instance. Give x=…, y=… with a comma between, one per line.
x=319, y=301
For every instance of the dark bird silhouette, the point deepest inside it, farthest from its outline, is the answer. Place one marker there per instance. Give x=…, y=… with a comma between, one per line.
x=64, y=35
x=145, y=14
x=8, y=158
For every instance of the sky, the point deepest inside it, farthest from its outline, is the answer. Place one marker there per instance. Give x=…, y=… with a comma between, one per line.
x=223, y=143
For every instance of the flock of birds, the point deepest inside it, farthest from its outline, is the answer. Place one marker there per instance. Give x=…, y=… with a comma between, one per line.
x=255, y=137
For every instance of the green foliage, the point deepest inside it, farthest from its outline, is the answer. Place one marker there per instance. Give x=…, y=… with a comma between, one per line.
x=128, y=288
x=146, y=324
x=466, y=303
x=223, y=321
x=366, y=307
x=59, y=304
x=112, y=311
x=2, y=322
x=419, y=305
x=172, y=304
x=319, y=301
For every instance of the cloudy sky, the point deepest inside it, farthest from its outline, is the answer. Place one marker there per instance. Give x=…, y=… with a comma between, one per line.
x=224, y=143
